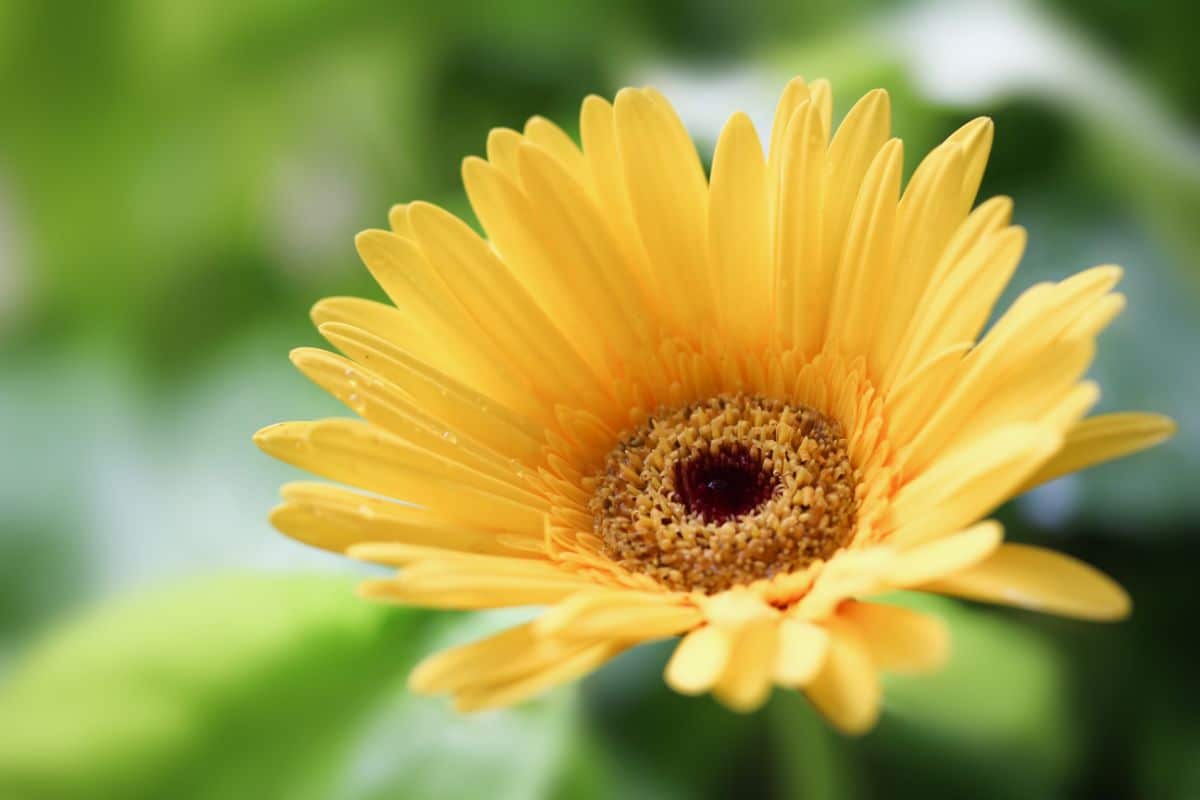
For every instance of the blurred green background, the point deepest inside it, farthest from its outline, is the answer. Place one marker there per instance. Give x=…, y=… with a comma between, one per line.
x=179, y=181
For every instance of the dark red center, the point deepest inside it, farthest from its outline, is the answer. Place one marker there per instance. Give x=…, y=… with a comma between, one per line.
x=723, y=485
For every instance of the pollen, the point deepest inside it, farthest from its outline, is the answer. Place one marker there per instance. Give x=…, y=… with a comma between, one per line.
x=726, y=492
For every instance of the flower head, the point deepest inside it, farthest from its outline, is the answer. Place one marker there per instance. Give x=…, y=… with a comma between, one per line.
x=730, y=408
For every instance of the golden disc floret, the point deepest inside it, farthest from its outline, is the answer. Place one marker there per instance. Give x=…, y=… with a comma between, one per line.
x=726, y=492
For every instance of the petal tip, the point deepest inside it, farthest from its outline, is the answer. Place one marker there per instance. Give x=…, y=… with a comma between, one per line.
x=1117, y=607
x=1167, y=427
x=745, y=704
x=474, y=167
x=423, y=678
x=270, y=438
x=365, y=238
x=594, y=101
x=301, y=356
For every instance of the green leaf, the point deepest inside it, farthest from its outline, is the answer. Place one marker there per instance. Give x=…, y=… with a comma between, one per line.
x=419, y=747
x=586, y=773
x=1001, y=700
x=221, y=687
x=813, y=761
x=1168, y=753
x=657, y=743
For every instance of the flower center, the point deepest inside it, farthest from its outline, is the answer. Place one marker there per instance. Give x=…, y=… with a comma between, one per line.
x=726, y=492
x=723, y=485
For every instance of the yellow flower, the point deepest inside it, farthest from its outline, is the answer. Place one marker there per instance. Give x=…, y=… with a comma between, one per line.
x=729, y=408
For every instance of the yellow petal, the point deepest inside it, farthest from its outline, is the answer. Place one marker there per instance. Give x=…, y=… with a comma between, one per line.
x=1040, y=317
x=956, y=308
x=858, y=139
x=551, y=138
x=336, y=518
x=945, y=556
x=989, y=218
x=598, y=131
x=402, y=461
x=459, y=585
x=581, y=662
x=803, y=277
x=1071, y=407
x=927, y=216
x=847, y=690
x=398, y=220
x=1097, y=318
x=428, y=318
x=541, y=228
x=456, y=348
x=698, y=661
x=668, y=193
x=1034, y=391
x=864, y=273
x=737, y=607
x=397, y=265
x=975, y=138
x=502, y=144
x=1103, y=438
x=848, y=574
x=738, y=232
x=505, y=664
x=484, y=417
x=624, y=614
x=912, y=397
x=1040, y=580
x=379, y=402
x=424, y=302
x=794, y=94
x=820, y=94
x=501, y=305
x=569, y=228
x=510, y=652
x=746, y=682
x=982, y=223
x=898, y=639
x=404, y=554
x=361, y=455
x=1020, y=340
x=801, y=653
x=966, y=484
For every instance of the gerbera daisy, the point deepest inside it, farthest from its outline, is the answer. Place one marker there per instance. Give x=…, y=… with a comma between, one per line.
x=729, y=408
